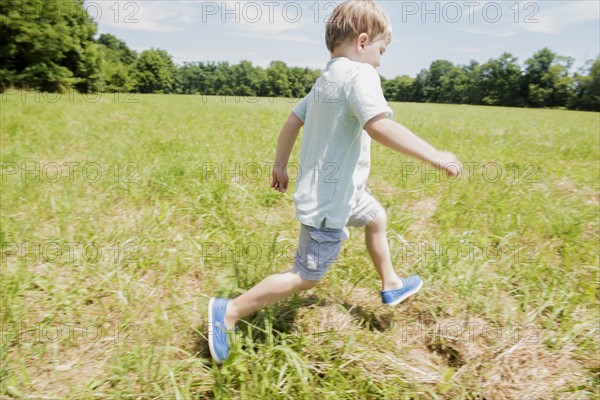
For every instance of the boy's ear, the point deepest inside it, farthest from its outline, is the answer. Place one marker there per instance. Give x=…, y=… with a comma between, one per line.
x=361, y=41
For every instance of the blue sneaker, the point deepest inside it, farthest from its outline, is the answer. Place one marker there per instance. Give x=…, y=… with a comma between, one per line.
x=411, y=286
x=217, y=330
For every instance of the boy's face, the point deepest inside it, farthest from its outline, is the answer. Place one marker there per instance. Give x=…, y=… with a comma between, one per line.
x=372, y=51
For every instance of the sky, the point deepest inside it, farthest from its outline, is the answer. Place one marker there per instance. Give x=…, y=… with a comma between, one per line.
x=293, y=31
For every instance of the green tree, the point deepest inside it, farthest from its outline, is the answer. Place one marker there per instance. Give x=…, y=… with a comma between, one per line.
x=223, y=79
x=432, y=90
x=398, y=89
x=190, y=75
x=546, y=81
x=117, y=63
x=277, y=83
x=454, y=86
x=246, y=79
x=587, y=88
x=48, y=45
x=154, y=72
x=472, y=72
x=499, y=81
x=309, y=78
x=118, y=49
x=418, y=86
x=298, y=82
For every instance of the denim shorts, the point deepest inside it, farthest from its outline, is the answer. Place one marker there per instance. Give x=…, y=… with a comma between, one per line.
x=318, y=248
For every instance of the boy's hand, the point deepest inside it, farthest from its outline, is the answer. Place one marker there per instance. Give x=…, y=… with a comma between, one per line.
x=448, y=162
x=280, y=179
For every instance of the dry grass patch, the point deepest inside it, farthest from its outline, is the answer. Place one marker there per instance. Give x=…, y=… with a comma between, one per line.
x=531, y=371
x=62, y=368
x=328, y=323
x=382, y=190
x=423, y=212
x=502, y=362
x=586, y=194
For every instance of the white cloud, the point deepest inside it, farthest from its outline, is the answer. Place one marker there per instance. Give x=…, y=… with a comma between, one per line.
x=262, y=20
x=531, y=16
x=553, y=19
x=273, y=22
x=152, y=16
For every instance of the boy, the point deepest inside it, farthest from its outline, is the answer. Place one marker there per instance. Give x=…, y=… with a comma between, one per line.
x=331, y=191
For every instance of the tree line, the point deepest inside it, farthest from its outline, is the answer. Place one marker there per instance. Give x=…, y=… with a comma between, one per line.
x=54, y=51
x=543, y=81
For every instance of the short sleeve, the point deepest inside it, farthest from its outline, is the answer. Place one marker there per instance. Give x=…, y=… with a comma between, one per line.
x=300, y=108
x=365, y=96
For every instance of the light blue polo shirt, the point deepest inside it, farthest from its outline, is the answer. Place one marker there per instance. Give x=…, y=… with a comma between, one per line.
x=335, y=154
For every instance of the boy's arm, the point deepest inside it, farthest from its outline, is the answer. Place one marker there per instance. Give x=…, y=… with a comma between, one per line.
x=397, y=137
x=285, y=144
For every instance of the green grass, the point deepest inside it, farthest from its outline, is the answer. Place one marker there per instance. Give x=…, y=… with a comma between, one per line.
x=515, y=254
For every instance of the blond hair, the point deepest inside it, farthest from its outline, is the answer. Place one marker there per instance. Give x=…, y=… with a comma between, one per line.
x=353, y=17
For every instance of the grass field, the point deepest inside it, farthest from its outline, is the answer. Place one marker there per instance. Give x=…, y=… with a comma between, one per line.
x=122, y=217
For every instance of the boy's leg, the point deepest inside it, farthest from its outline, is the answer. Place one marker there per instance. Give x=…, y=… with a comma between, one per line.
x=317, y=250
x=377, y=245
x=370, y=214
x=270, y=290
x=223, y=313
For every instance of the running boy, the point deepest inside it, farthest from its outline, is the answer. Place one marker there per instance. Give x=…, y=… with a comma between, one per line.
x=343, y=111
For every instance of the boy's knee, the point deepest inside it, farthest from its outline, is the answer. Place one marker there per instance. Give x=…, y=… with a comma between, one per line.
x=382, y=215
x=380, y=219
